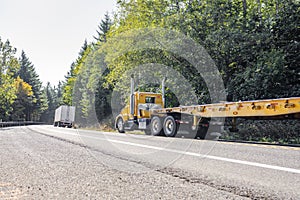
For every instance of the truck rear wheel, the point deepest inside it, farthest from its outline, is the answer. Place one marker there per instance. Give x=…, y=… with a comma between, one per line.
x=147, y=131
x=156, y=126
x=170, y=126
x=120, y=125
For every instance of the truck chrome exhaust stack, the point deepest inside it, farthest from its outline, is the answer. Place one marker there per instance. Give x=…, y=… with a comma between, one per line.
x=132, y=95
x=163, y=92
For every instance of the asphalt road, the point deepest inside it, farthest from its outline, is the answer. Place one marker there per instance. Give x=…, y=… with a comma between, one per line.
x=45, y=162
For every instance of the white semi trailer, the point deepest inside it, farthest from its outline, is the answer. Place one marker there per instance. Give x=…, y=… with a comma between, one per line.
x=64, y=116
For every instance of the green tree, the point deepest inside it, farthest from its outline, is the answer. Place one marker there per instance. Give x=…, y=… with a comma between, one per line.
x=103, y=28
x=70, y=79
x=8, y=67
x=23, y=101
x=286, y=37
x=50, y=95
x=59, y=93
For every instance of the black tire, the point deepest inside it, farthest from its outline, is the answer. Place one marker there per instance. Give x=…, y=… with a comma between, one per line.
x=170, y=126
x=120, y=125
x=147, y=131
x=201, y=132
x=156, y=128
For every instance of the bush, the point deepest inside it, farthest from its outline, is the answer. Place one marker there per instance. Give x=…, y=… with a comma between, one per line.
x=273, y=131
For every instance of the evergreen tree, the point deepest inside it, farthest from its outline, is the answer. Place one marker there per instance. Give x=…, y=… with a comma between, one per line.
x=103, y=100
x=50, y=96
x=103, y=28
x=83, y=49
x=59, y=93
x=28, y=74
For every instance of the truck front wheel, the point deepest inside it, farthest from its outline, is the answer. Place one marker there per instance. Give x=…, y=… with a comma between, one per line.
x=120, y=125
x=170, y=126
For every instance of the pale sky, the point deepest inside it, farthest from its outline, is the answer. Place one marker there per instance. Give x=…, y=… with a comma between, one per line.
x=51, y=32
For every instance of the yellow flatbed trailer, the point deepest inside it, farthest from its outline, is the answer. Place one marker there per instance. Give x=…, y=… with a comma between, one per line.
x=271, y=108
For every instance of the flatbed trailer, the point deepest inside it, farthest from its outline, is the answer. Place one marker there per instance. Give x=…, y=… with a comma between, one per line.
x=202, y=116
x=259, y=109
x=146, y=112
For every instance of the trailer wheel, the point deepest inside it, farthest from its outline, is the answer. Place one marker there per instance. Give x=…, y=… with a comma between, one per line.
x=170, y=126
x=156, y=126
x=201, y=132
x=120, y=125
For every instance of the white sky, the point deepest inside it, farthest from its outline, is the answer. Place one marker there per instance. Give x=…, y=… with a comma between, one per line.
x=51, y=32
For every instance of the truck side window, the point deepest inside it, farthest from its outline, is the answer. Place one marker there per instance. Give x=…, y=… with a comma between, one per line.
x=150, y=99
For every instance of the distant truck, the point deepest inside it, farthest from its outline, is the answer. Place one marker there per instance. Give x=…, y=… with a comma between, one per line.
x=64, y=116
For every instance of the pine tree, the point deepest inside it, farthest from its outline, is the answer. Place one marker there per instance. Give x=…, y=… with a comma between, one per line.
x=103, y=27
x=28, y=74
x=50, y=96
x=83, y=49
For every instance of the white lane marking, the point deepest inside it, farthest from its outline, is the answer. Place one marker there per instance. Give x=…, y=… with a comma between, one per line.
x=208, y=156
x=255, y=164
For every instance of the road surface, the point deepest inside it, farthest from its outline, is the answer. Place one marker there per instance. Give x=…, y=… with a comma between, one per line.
x=45, y=162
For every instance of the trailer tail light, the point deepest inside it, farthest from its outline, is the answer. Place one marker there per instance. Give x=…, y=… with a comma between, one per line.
x=182, y=122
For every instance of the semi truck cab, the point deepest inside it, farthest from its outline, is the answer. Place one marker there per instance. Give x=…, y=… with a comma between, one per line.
x=137, y=115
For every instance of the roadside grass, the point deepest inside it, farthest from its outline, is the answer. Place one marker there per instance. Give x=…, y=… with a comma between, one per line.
x=106, y=128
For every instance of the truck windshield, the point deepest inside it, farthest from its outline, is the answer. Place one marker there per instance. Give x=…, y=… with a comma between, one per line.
x=150, y=99
x=149, y=106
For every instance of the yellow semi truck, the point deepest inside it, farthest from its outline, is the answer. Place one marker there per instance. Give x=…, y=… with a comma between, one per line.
x=146, y=112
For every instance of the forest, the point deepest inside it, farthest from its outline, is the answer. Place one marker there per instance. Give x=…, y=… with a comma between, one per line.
x=254, y=45
x=22, y=96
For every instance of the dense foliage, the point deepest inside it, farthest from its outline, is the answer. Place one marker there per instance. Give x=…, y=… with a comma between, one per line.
x=254, y=44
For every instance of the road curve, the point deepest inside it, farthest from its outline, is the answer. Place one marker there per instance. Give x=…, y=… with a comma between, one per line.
x=44, y=162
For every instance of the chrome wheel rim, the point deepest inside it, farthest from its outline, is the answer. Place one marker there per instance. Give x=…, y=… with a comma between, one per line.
x=169, y=127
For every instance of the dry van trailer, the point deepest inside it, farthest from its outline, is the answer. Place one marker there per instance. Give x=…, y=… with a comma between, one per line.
x=64, y=116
